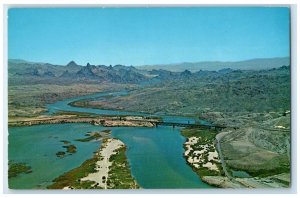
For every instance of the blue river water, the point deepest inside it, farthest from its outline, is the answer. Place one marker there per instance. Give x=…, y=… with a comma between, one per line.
x=155, y=154
x=37, y=146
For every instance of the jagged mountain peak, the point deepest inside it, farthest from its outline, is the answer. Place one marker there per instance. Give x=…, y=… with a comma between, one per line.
x=71, y=64
x=186, y=72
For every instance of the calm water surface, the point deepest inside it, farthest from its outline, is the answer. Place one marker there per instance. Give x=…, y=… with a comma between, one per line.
x=37, y=146
x=155, y=154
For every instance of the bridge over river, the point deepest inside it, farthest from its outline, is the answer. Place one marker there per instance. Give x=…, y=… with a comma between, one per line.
x=177, y=123
x=192, y=125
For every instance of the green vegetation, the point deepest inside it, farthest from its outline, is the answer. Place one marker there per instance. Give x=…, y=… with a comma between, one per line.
x=15, y=169
x=70, y=148
x=206, y=135
x=60, y=154
x=91, y=136
x=79, y=103
x=65, y=141
x=119, y=173
x=205, y=141
x=274, y=165
x=72, y=178
x=258, y=147
x=107, y=131
x=94, y=136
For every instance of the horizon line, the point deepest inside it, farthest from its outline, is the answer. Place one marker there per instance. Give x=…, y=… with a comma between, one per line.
x=159, y=64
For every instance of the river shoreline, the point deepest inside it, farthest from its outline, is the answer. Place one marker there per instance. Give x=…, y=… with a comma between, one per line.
x=200, y=152
x=248, y=147
x=96, y=173
x=116, y=121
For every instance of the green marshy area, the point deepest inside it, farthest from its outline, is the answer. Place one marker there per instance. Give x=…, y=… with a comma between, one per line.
x=72, y=177
x=119, y=173
x=94, y=136
x=70, y=149
x=15, y=169
x=201, y=149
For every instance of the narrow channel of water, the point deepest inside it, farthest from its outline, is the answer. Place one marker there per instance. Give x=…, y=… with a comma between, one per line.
x=64, y=106
x=156, y=157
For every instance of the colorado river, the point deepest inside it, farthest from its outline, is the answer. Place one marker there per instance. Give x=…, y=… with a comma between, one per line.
x=155, y=154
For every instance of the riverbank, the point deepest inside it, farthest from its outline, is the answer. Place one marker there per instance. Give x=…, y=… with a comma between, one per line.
x=254, y=150
x=99, y=171
x=113, y=121
x=29, y=100
x=200, y=152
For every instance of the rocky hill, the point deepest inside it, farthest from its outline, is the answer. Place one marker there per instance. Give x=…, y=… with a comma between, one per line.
x=194, y=93
x=23, y=72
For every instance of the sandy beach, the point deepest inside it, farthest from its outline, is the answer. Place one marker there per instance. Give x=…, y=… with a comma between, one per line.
x=196, y=157
x=103, y=164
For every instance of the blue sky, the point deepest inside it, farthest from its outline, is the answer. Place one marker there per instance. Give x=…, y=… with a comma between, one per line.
x=140, y=36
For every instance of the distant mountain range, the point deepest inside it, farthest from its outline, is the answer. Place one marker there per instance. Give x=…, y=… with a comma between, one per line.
x=25, y=72
x=20, y=71
x=253, y=64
